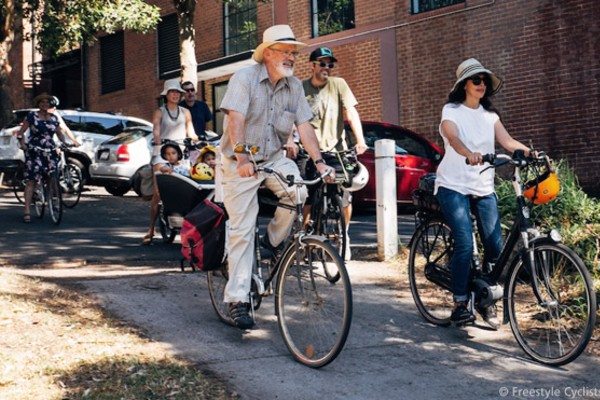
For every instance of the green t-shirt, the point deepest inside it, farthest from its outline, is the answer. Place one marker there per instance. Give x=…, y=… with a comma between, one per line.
x=327, y=105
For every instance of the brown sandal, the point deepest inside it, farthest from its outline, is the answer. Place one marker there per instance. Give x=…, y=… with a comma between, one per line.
x=147, y=239
x=27, y=218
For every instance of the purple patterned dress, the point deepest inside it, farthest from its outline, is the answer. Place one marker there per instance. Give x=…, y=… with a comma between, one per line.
x=39, y=163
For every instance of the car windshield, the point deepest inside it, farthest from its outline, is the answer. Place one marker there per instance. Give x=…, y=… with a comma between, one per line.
x=128, y=137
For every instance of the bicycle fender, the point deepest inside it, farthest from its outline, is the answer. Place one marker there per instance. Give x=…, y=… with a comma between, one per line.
x=522, y=254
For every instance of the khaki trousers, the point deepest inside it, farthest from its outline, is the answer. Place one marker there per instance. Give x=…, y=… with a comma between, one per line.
x=241, y=201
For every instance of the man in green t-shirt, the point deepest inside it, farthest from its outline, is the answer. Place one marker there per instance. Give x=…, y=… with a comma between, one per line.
x=331, y=102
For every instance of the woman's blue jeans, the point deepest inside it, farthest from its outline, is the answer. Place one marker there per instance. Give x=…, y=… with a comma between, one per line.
x=456, y=208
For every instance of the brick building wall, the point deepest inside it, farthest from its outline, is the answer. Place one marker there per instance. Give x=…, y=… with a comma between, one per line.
x=548, y=54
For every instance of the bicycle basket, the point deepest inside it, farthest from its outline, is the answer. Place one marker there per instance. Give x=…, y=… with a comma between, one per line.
x=423, y=196
x=544, y=186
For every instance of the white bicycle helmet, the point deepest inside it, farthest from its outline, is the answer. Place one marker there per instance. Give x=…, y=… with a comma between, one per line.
x=360, y=178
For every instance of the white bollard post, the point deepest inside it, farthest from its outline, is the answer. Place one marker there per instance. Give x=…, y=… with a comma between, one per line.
x=387, y=215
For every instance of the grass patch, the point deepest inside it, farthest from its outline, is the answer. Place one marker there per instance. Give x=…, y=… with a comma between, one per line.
x=57, y=343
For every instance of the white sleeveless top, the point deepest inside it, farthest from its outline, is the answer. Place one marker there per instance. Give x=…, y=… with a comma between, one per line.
x=172, y=124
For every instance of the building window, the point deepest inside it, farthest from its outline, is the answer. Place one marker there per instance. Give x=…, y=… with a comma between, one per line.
x=330, y=16
x=240, y=26
x=419, y=6
x=112, y=63
x=169, y=62
x=219, y=90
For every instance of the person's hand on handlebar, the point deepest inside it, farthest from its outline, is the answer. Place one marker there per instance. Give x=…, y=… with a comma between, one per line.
x=474, y=158
x=323, y=168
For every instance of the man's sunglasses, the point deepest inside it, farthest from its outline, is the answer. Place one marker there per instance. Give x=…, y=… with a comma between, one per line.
x=324, y=64
x=190, y=90
x=477, y=80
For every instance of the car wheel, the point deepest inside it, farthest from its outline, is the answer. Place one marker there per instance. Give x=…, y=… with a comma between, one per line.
x=117, y=188
x=136, y=182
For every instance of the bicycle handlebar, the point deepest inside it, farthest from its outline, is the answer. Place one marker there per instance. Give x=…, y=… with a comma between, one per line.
x=518, y=159
x=290, y=179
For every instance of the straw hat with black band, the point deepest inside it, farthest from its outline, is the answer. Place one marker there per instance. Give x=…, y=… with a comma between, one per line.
x=276, y=34
x=472, y=67
x=40, y=97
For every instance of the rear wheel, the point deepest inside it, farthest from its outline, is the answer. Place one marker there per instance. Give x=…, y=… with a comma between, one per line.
x=555, y=328
x=54, y=200
x=429, y=271
x=71, y=185
x=168, y=234
x=217, y=280
x=18, y=185
x=313, y=312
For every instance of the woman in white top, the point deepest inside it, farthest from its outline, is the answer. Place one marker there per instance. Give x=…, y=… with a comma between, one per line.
x=171, y=122
x=470, y=126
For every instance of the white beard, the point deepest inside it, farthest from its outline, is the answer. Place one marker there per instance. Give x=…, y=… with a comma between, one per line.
x=284, y=71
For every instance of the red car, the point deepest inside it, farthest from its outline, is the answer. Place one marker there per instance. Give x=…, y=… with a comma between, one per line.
x=415, y=156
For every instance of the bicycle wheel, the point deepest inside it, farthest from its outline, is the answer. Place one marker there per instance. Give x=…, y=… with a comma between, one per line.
x=54, y=200
x=168, y=234
x=331, y=224
x=18, y=185
x=71, y=185
x=429, y=271
x=217, y=280
x=39, y=199
x=313, y=313
x=556, y=329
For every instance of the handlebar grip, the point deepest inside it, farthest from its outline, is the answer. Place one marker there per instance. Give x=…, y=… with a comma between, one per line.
x=487, y=158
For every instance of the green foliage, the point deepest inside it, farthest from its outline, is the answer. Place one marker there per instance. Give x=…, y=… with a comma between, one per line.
x=573, y=213
x=64, y=25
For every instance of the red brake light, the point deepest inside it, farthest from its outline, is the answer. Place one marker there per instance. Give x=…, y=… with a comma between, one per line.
x=123, y=153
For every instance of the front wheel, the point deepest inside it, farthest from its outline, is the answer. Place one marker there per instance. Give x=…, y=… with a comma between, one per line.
x=556, y=327
x=18, y=184
x=54, y=200
x=71, y=185
x=314, y=314
x=39, y=199
x=429, y=271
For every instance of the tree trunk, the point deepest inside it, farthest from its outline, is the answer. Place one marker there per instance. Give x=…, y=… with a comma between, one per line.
x=7, y=22
x=187, y=40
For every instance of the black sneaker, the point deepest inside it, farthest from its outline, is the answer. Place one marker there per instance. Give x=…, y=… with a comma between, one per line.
x=490, y=316
x=461, y=314
x=265, y=243
x=239, y=312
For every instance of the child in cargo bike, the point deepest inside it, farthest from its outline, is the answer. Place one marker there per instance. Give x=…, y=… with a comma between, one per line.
x=171, y=152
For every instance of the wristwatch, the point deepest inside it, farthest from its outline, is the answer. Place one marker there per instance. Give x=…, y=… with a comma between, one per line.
x=319, y=161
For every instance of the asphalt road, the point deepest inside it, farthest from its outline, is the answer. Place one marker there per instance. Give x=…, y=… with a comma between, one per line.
x=390, y=353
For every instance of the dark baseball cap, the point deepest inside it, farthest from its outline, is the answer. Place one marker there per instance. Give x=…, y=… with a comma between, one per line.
x=322, y=52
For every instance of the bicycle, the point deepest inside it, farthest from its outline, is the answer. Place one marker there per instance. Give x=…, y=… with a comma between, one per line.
x=70, y=180
x=47, y=192
x=548, y=296
x=314, y=311
x=327, y=211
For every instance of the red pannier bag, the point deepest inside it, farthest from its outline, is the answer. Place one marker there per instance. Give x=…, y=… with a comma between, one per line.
x=203, y=236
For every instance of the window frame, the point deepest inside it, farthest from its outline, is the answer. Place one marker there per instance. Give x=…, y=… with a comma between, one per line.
x=249, y=38
x=112, y=62
x=168, y=47
x=315, y=11
x=415, y=5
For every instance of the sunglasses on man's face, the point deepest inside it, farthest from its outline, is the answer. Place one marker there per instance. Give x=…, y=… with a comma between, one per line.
x=477, y=80
x=323, y=64
x=189, y=90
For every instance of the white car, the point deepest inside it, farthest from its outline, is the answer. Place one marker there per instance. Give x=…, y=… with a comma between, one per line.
x=118, y=160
